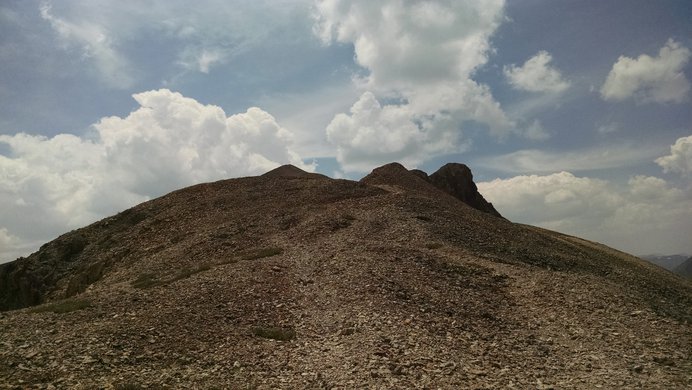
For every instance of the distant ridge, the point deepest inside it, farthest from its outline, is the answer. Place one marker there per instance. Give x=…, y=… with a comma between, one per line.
x=669, y=262
x=685, y=269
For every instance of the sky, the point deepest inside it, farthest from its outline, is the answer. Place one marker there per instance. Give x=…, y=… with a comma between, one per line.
x=574, y=116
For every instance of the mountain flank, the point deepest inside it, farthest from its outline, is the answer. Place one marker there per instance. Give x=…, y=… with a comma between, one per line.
x=684, y=269
x=295, y=280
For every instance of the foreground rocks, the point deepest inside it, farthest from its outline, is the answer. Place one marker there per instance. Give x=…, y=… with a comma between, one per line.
x=292, y=281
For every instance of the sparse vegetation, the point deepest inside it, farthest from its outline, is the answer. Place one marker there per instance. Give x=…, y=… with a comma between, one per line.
x=128, y=386
x=64, y=306
x=433, y=245
x=146, y=280
x=231, y=260
x=262, y=253
x=274, y=333
x=149, y=280
x=187, y=272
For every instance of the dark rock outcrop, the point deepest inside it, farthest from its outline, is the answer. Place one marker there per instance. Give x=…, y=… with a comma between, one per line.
x=457, y=180
x=453, y=179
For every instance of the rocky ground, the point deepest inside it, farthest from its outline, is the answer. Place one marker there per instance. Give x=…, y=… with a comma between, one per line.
x=307, y=282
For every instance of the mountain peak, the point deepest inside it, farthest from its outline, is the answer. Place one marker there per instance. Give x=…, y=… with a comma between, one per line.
x=457, y=180
x=454, y=179
x=395, y=174
x=289, y=170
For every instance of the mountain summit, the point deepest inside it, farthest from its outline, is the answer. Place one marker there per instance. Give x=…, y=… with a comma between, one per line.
x=296, y=280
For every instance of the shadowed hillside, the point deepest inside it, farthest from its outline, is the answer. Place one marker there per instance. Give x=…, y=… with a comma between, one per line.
x=685, y=269
x=296, y=280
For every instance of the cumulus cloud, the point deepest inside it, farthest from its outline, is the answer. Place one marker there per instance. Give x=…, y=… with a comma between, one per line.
x=419, y=58
x=11, y=246
x=646, y=215
x=373, y=133
x=536, y=75
x=680, y=158
x=650, y=79
x=50, y=185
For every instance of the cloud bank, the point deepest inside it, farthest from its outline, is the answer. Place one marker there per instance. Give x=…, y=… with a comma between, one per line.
x=591, y=159
x=536, y=75
x=649, y=79
x=647, y=215
x=419, y=59
x=168, y=142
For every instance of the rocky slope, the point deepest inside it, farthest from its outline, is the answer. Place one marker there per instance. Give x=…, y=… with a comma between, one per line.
x=290, y=280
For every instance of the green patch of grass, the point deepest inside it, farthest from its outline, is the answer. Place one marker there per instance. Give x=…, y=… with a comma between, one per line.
x=231, y=260
x=64, y=306
x=187, y=272
x=274, y=333
x=262, y=253
x=149, y=280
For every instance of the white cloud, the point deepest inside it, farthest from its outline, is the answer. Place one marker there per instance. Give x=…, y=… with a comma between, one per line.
x=650, y=79
x=95, y=44
x=608, y=128
x=535, y=131
x=50, y=185
x=11, y=247
x=646, y=215
x=680, y=157
x=420, y=57
x=208, y=58
x=106, y=33
x=372, y=134
x=536, y=75
x=602, y=157
x=307, y=114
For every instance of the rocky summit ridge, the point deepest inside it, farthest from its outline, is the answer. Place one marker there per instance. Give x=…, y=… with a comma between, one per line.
x=295, y=280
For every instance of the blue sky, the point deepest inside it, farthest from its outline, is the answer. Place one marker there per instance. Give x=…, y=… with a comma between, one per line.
x=573, y=115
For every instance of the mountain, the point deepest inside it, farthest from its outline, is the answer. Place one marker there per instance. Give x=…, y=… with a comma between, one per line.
x=669, y=262
x=684, y=269
x=293, y=280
